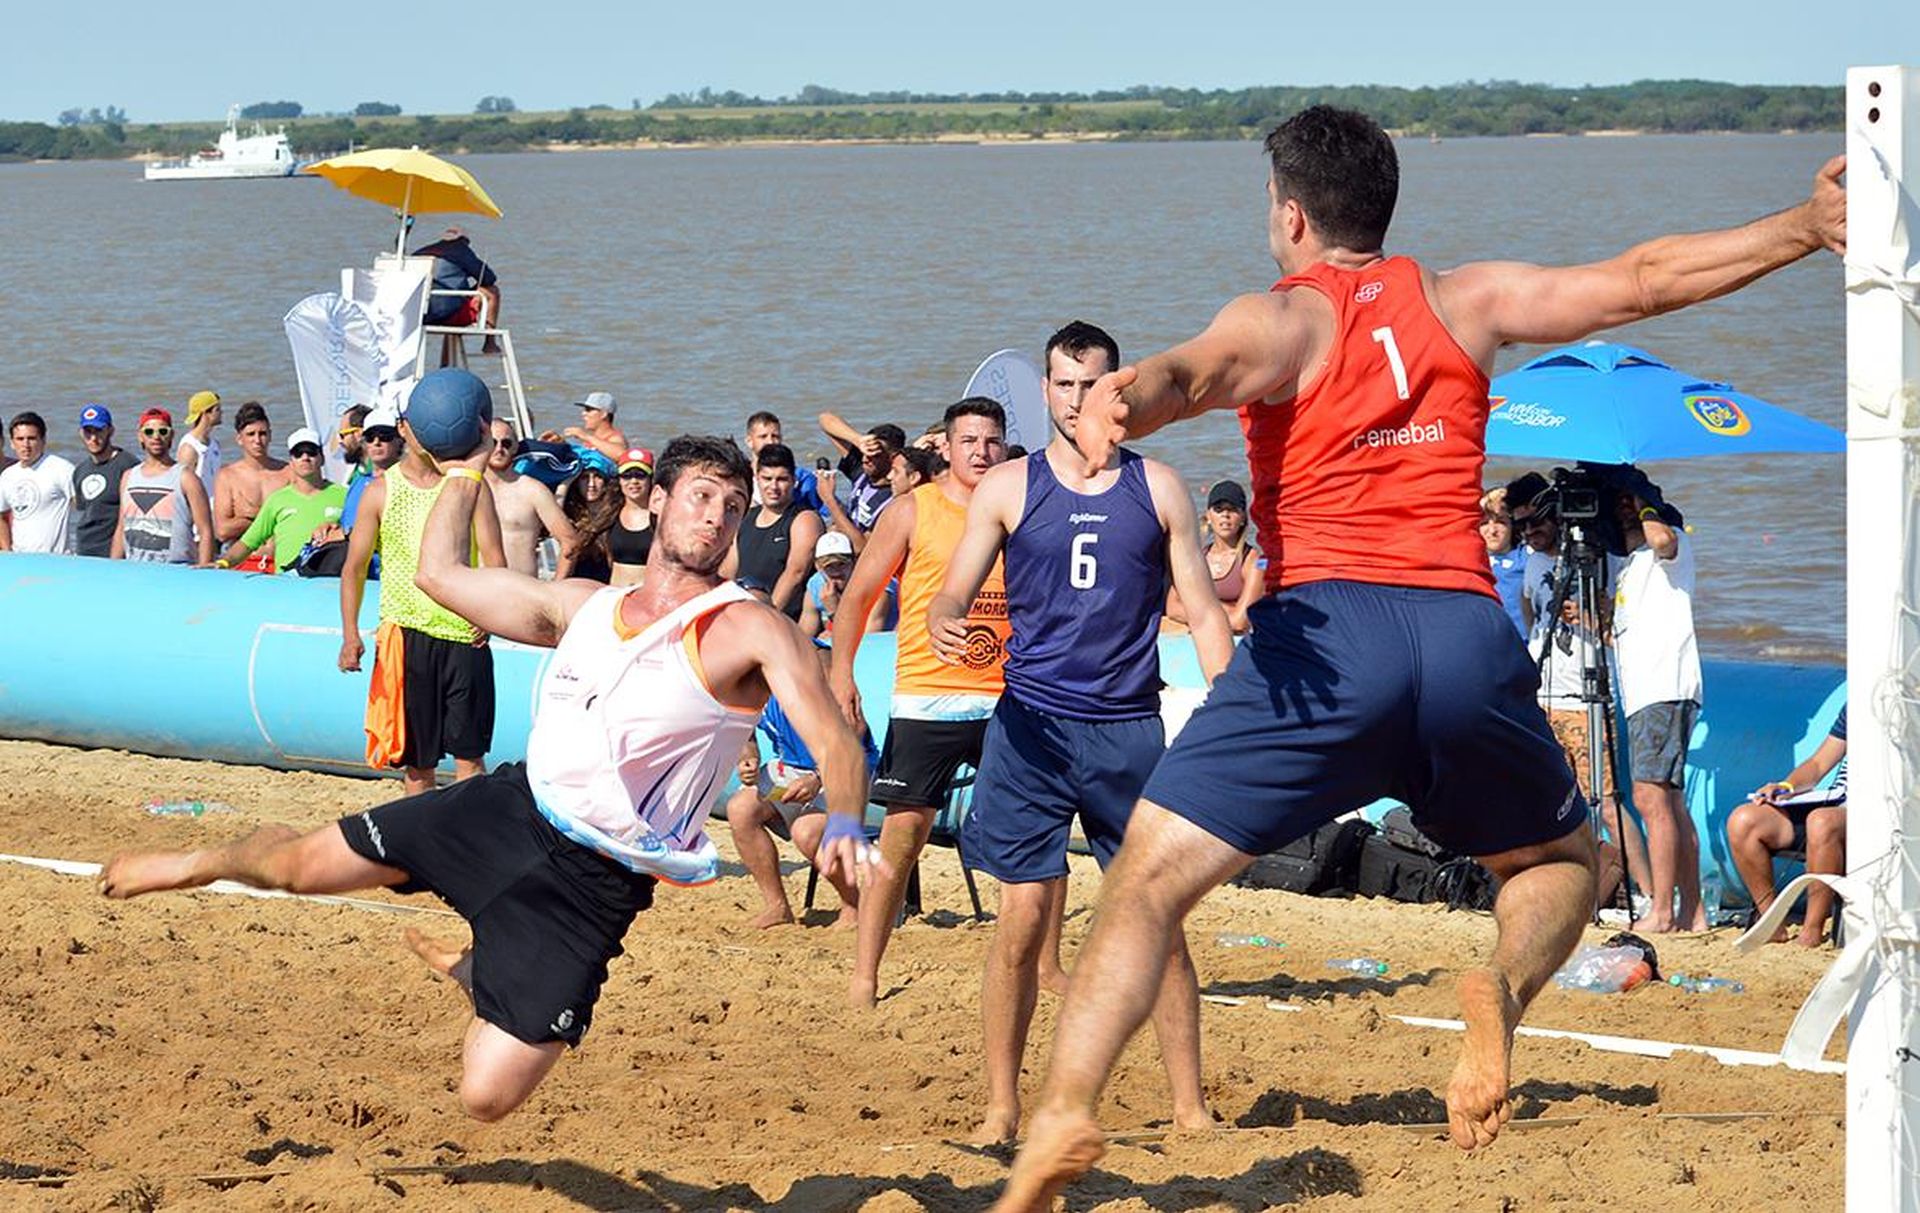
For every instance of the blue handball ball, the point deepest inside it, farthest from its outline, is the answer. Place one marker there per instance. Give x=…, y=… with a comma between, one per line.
x=449, y=412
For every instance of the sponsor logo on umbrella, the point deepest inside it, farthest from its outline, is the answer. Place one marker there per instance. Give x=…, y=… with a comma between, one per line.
x=1719, y=415
x=1538, y=416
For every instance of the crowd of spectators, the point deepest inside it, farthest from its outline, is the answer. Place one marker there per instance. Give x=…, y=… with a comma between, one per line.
x=584, y=492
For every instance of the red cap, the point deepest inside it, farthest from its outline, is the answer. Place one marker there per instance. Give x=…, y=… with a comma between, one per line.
x=157, y=413
x=637, y=457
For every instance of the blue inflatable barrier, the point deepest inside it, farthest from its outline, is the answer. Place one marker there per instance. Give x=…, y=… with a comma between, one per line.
x=202, y=663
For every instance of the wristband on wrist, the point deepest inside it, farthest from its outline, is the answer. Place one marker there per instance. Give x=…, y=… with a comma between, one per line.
x=464, y=474
x=1647, y=511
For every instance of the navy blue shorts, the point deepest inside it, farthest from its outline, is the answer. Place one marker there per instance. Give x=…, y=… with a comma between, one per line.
x=1345, y=693
x=1038, y=772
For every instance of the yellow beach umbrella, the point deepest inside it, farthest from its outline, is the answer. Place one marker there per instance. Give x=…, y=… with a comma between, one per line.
x=410, y=180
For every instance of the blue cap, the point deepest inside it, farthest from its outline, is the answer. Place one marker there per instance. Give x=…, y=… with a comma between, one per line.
x=95, y=417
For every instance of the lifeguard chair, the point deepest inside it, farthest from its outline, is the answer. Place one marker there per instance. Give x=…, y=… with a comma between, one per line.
x=411, y=278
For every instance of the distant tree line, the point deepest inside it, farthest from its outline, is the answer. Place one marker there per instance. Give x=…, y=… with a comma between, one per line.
x=272, y=109
x=816, y=113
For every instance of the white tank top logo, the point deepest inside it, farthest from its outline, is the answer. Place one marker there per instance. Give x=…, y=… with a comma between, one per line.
x=629, y=748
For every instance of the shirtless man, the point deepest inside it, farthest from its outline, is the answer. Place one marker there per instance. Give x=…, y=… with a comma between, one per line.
x=527, y=508
x=596, y=428
x=243, y=484
x=550, y=861
x=1384, y=664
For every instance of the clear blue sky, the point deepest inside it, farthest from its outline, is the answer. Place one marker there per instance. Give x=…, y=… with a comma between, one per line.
x=191, y=58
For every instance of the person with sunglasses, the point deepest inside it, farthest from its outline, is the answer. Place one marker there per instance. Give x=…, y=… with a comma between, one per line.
x=291, y=513
x=631, y=538
x=165, y=515
x=528, y=509
x=384, y=447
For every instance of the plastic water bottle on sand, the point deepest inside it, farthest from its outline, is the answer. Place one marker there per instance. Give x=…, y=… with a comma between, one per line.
x=1707, y=985
x=1362, y=966
x=1604, y=970
x=1227, y=939
x=186, y=808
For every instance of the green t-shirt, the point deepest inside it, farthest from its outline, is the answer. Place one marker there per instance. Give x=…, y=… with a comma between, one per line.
x=289, y=517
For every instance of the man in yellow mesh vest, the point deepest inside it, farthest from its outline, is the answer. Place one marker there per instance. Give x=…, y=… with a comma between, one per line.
x=432, y=689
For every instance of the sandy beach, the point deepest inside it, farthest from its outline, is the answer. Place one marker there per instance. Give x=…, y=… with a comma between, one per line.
x=217, y=1052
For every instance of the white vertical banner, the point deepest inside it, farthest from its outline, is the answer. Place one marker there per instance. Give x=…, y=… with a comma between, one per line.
x=394, y=295
x=1010, y=377
x=334, y=344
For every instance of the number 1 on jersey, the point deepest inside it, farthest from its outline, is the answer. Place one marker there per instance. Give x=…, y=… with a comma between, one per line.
x=1384, y=335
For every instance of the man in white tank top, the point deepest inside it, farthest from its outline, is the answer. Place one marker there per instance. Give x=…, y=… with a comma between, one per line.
x=642, y=712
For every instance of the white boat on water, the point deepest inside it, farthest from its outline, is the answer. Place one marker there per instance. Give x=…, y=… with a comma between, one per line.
x=259, y=153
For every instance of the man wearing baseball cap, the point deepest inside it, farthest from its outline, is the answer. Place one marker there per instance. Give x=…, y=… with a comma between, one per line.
x=596, y=430
x=96, y=483
x=380, y=437
x=294, y=511
x=165, y=514
x=199, y=450
x=833, y=565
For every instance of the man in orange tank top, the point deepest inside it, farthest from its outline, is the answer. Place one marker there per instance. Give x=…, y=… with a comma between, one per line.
x=938, y=719
x=1383, y=666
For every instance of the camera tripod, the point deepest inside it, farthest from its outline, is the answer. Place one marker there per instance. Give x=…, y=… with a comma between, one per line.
x=1580, y=579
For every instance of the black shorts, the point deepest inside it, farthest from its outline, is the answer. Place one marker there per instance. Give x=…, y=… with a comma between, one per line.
x=547, y=913
x=448, y=688
x=921, y=757
x=1657, y=739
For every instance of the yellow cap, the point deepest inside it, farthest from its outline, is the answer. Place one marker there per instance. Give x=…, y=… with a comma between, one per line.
x=199, y=403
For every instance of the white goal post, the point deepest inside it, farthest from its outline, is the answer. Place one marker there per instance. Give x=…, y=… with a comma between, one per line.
x=1883, y=634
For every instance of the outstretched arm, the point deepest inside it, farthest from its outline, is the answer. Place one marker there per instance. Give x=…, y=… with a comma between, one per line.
x=991, y=517
x=1255, y=349
x=1496, y=303
x=495, y=600
x=1206, y=618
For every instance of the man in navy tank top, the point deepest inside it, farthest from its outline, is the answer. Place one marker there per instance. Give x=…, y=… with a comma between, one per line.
x=1383, y=664
x=1077, y=731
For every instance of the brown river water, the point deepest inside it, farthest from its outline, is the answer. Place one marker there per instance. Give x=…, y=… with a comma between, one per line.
x=700, y=285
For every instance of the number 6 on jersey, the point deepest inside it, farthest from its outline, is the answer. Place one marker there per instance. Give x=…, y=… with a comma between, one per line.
x=1082, y=569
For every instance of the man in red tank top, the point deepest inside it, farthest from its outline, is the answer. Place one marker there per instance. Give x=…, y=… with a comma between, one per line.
x=1384, y=665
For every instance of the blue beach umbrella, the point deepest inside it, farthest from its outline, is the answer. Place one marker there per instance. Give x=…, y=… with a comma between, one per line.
x=1609, y=403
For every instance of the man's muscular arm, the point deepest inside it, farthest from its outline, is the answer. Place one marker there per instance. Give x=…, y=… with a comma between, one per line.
x=1494, y=303
x=1256, y=348
x=1206, y=617
x=495, y=600
x=885, y=552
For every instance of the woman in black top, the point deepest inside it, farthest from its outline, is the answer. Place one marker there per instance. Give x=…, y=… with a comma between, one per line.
x=632, y=535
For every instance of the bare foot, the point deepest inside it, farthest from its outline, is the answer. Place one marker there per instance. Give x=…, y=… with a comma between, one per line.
x=439, y=955
x=134, y=873
x=863, y=994
x=1192, y=1119
x=1650, y=926
x=1061, y=1147
x=490, y=346
x=849, y=918
x=1477, y=1103
x=1808, y=939
x=773, y=916
x=998, y=1126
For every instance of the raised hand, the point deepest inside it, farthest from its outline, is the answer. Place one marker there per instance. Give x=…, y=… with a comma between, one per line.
x=1826, y=210
x=1102, y=425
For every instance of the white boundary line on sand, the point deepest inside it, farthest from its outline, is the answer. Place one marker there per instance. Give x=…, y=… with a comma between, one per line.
x=74, y=867
x=1643, y=1048
x=1610, y=1044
